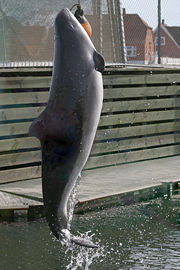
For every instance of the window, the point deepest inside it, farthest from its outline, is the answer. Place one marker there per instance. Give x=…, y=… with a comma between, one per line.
x=163, y=41
x=131, y=51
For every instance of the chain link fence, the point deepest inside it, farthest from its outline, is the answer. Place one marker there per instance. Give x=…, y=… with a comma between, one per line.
x=124, y=31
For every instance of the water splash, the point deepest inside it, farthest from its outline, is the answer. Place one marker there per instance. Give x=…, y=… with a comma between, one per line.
x=72, y=202
x=82, y=257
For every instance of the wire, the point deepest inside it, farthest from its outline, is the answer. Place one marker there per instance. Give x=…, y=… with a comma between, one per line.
x=76, y=5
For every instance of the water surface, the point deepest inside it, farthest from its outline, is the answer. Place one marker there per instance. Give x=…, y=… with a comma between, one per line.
x=144, y=236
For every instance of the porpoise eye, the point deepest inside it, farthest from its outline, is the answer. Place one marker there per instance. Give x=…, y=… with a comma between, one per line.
x=71, y=26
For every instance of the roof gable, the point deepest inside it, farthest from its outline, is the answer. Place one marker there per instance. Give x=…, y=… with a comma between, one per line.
x=175, y=33
x=135, y=28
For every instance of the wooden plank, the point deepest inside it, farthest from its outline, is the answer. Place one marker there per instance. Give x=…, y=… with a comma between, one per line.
x=132, y=131
x=119, y=79
x=33, y=112
x=127, y=144
x=25, y=82
x=10, y=203
x=14, y=71
x=14, y=129
x=19, y=158
x=140, y=69
x=99, y=147
x=93, y=162
x=20, y=174
x=138, y=117
x=19, y=143
x=23, y=98
x=22, y=128
x=30, y=142
x=134, y=105
x=126, y=79
x=155, y=91
x=109, y=68
x=108, y=120
x=20, y=113
x=110, y=93
x=115, y=159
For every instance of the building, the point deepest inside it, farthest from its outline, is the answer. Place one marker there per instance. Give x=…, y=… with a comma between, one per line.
x=139, y=39
x=170, y=44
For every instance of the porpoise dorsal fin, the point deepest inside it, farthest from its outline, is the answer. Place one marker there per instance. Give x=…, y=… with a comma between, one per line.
x=99, y=61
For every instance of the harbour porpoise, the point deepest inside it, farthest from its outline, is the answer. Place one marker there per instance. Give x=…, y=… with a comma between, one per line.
x=67, y=126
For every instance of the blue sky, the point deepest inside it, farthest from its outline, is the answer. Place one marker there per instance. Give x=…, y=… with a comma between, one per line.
x=147, y=9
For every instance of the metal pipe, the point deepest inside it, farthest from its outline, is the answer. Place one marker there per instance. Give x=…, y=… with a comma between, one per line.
x=100, y=15
x=111, y=14
x=121, y=32
x=159, y=31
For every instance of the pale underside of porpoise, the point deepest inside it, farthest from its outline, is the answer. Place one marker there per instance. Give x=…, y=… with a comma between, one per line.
x=67, y=126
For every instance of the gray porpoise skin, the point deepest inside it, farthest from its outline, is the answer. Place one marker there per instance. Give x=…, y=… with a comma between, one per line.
x=67, y=126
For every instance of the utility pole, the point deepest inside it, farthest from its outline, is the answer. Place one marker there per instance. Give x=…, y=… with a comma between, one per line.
x=159, y=32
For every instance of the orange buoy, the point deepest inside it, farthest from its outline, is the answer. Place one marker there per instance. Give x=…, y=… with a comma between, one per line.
x=79, y=14
x=87, y=27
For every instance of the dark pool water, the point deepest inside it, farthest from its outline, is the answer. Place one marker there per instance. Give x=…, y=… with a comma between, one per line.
x=144, y=236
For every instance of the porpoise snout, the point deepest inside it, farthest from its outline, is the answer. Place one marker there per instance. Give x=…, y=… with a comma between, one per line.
x=64, y=16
